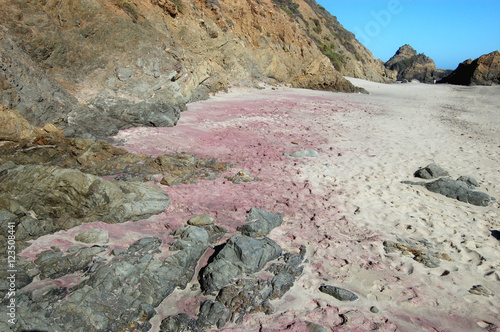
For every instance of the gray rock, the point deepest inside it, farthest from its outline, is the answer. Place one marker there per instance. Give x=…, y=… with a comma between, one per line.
x=62, y=198
x=178, y=323
x=241, y=254
x=459, y=190
x=338, y=293
x=260, y=223
x=374, y=310
x=28, y=89
x=201, y=220
x=120, y=292
x=309, y=153
x=431, y=171
x=93, y=236
x=251, y=293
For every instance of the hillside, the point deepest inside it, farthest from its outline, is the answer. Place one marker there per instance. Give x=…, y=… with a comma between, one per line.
x=410, y=65
x=104, y=65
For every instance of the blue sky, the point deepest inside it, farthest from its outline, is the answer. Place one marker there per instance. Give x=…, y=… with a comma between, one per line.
x=448, y=31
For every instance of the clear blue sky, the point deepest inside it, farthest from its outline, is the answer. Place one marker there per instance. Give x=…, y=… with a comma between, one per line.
x=448, y=31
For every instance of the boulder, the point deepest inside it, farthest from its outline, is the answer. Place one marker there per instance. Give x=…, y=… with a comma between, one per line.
x=96, y=235
x=338, y=293
x=241, y=254
x=431, y=171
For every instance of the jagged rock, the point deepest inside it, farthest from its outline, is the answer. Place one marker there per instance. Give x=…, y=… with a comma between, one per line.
x=247, y=294
x=26, y=87
x=410, y=66
x=185, y=168
x=241, y=254
x=338, y=293
x=93, y=236
x=118, y=295
x=201, y=220
x=431, y=171
x=260, y=223
x=241, y=177
x=421, y=251
x=309, y=153
x=484, y=70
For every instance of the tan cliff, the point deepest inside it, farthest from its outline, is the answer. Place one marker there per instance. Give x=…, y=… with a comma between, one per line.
x=146, y=54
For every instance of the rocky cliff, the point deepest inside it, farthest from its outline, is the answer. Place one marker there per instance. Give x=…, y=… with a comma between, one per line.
x=484, y=70
x=97, y=66
x=409, y=65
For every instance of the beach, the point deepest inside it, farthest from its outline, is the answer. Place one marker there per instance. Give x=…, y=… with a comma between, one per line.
x=416, y=260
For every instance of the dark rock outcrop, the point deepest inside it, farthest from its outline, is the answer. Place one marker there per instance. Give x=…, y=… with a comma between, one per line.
x=120, y=293
x=47, y=199
x=409, y=66
x=484, y=70
x=246, y=295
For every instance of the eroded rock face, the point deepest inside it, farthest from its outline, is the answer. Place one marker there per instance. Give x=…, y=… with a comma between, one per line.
x=484, y=70
x=96, y=68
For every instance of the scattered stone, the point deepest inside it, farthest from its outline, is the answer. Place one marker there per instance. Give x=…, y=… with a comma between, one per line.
x=309, y=153
x=338, y=293
x=260, y=223
x=184, y=168
x=241, y=254
x=431, y=171
x=421, y=251
x=480, y=290
x=241, y=177
x=201, y=220
x=93, y=236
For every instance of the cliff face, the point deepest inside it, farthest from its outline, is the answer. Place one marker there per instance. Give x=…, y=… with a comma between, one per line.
x=409, y=65
x=484, y=70
x=122, y=59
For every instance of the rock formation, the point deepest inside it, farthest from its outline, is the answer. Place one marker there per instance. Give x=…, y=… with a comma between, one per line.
x=484, y=70
x=409, y=66
x=94, y=68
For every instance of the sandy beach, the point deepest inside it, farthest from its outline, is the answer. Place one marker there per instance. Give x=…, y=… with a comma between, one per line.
x=345, y=206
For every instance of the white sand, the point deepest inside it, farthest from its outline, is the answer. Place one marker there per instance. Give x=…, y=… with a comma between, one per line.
x=395, y=130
